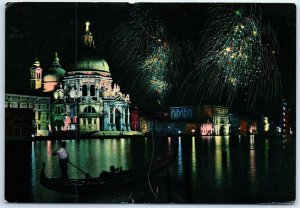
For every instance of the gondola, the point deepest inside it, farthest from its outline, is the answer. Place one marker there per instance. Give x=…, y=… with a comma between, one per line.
x=91, y=186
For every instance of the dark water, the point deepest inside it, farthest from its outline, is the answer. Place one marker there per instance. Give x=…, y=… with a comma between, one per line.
x=206, y=170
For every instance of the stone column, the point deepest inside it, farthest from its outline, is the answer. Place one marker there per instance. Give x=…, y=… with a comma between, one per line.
x=88, y=90
x=122, y=120
x=128, y=120
x=107, y=119
x=97, y=92
x=81, y=123
x=80, y=91
x=114, y=119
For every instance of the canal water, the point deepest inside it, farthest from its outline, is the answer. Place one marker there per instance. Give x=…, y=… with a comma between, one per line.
x=206, y=170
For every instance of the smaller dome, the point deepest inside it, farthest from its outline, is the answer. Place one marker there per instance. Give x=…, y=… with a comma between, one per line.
x=50, y=78
x=56, y=67
x=56, y=72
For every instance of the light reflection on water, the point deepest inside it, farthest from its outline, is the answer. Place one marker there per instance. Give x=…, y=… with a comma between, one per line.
x=180, y=162
x=194, y=157
x=217, y=164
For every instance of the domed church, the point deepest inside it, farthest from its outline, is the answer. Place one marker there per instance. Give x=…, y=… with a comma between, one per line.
x=85, y=97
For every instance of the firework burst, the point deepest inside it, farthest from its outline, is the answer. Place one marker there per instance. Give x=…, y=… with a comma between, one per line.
x=234, y=58
x=143, y=50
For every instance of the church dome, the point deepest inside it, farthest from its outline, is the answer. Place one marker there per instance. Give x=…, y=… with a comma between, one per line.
x=50, y=78
x=88, y=60
x=87, y=57
x=56, y=72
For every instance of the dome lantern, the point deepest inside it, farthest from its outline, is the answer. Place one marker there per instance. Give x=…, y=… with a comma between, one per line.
x=88, y=59
x=87, y=38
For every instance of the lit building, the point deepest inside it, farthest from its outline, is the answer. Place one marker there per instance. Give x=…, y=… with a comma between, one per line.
x=266, y=124
x=87, y=99
x=286, y=128
x=84, y=97
x=54, y=76
x=36, y=75
x=182, y=112
x=241, y=125
x=135, y=119
x=207, y=129
x=215, y=120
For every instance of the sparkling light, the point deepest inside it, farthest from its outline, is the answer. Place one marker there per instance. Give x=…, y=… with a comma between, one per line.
x=236, y=58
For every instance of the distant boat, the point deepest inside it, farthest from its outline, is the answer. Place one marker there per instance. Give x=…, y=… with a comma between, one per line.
x=92, y=186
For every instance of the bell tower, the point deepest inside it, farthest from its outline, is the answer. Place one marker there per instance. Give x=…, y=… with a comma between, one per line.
x=36, y=75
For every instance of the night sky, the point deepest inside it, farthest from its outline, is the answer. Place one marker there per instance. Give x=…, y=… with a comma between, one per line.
x=40, y=29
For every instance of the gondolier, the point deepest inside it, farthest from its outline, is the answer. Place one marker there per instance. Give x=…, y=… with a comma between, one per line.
x=63, y=157
x=91, y=186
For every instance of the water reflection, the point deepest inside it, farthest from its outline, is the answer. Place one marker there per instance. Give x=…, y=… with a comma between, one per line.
x=33, y=166
x=252, y=158
x=194, y=157
x=180, y=163
x=218, y=159
x=266, y=151
x=169, y=146
x=208, y=169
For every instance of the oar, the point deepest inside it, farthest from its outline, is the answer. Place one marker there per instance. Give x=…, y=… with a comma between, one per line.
x=87, y=175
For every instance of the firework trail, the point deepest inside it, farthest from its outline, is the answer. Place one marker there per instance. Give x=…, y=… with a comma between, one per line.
x=143, y=50
x=234, y=59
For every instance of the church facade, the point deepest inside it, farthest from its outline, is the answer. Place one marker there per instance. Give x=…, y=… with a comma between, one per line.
x=84, y=96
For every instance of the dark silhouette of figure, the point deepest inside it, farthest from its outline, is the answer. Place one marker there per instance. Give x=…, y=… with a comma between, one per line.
x=63, y=157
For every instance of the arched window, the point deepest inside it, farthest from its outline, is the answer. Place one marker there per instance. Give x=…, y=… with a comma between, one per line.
x=92, y=90
x=84, y=90
x=58, y=110
x=89, y=109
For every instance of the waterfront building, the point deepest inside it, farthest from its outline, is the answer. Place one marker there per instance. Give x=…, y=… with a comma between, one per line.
x=205, y=120
x=214, y=120
x=241, y=125
x=37, y=106
x=82, y=98
x=135, y=119
x=181, y=112
x=87, y=99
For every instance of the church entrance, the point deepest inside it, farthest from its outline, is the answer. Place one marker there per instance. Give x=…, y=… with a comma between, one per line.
x=90, y=125
x=222, y=130
x=118, y=119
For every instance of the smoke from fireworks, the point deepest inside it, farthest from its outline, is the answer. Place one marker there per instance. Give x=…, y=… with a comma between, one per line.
x=235, y=59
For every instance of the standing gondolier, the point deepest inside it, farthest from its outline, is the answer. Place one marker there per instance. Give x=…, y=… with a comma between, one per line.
x=63, y=157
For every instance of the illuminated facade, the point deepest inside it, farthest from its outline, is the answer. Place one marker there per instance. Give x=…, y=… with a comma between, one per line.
x=182, y=112
x=87, y=99
x=204, y=120
x=215, y=120
x=207, y=129
x=36, y=75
